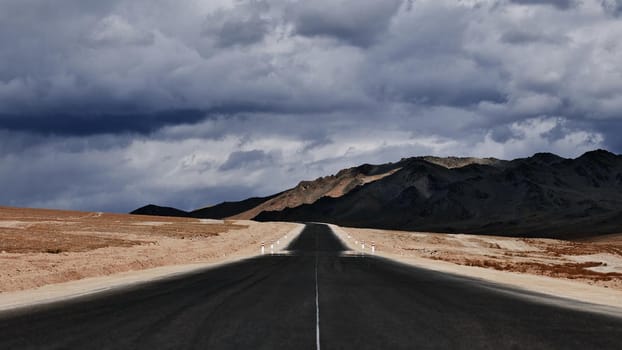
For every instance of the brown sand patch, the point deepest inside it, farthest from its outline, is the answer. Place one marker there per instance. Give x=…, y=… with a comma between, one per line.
x=56, y=242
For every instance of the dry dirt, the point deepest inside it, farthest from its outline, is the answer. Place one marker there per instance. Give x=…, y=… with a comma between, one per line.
x=40, y=247
x=596, y=261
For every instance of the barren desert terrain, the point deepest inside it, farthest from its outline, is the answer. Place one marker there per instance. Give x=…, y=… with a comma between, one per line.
x=595, y=261
x=40, y=247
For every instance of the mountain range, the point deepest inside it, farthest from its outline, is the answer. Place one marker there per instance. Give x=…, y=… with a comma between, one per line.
x=540, y=196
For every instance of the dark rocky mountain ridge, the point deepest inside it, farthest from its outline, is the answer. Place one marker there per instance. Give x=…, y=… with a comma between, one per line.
x=540, y=196
x=156, y=210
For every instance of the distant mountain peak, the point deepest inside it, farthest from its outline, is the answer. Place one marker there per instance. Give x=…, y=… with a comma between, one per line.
x=156, y=210
x=599, y=154
x=547, y=157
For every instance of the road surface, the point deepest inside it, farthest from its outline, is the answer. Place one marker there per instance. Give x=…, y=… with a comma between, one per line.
x=313, y=298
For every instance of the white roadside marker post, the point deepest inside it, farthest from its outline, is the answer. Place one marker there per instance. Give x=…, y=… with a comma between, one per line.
x=272, y=248
x=363, y=245
x=263, y=248
x=278, y=242
x=373, y=248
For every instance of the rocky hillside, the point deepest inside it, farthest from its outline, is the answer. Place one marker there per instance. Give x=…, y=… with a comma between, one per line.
x=306, y=192
x=333, y=186
x=544, y=195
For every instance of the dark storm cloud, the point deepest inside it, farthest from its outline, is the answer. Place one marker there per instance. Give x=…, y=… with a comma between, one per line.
x=244, y=24
x=355, y=22
x=120, y=67
x=85, y=124
x=610, y=128
x=247, y=31
x=612, y=6
x=502, y=133
x=561, y=4
x=426, y=63
x=518, y=37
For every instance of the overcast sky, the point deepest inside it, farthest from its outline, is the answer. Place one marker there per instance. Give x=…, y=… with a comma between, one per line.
x=109, y=105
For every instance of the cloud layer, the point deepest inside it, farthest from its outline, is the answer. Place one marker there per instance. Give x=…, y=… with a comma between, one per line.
x=110, y=105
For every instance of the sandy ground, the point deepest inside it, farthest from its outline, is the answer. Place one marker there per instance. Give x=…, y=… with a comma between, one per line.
x=48, y=247
x=587, y=271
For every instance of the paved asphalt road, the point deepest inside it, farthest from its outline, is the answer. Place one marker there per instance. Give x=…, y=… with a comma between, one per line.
x=273, y=302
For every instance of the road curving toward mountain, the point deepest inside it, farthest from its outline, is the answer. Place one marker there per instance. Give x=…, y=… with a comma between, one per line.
x=316, y=295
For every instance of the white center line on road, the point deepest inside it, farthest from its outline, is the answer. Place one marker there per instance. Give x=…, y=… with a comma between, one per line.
x=317, y=309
